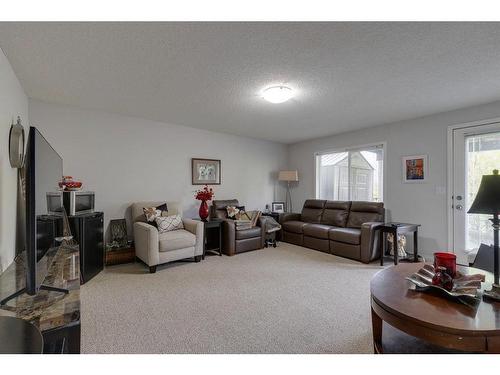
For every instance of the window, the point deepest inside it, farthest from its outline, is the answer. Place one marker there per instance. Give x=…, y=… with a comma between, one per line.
x=351, y=175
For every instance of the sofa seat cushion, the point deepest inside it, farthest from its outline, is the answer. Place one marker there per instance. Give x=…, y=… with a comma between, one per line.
x=293, y=226
x=346, y=235
x=176, y=239
x=317, y=230
x=248, y=233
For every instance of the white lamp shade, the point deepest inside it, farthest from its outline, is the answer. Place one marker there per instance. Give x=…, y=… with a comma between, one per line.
x=288, y=176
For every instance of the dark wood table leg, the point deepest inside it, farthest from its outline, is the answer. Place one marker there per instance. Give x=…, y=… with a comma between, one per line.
x=220, y=241
x=377, y=333
x=395, y=245
x=415, y=245
x=382, y=247
x=204, y=243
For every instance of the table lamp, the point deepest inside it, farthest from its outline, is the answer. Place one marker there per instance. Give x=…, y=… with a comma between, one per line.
x=487, y=202
x=288, y=176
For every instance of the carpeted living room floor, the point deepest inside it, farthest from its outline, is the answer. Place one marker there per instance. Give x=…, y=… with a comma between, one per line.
x=278, y=300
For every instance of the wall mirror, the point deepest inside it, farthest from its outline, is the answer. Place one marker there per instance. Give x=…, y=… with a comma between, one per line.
x=16, y=144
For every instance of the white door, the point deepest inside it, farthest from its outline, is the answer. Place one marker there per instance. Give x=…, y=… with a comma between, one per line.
x=476, y=152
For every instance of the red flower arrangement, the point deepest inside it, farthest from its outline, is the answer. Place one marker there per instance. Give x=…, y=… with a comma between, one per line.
x=205, y=194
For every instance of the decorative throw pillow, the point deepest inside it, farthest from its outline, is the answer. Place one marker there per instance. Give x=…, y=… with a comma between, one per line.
x=255, y=217
x=151, y=213
x=243, y=215
x=169, y=223
x=232, y=211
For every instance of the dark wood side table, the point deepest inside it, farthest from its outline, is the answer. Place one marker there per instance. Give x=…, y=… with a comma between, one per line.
x=431, y=317
x=212, y=236
x=396, y=229
x=120, y=255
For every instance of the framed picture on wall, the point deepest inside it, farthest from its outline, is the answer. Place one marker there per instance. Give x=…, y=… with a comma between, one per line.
x=278, y=207
x=415, y=168
x=205, y=171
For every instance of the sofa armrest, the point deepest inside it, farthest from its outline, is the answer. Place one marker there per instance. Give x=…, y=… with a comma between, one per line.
x=289, y=216
x=197, y=228
x=146, y=243
x=370, y=247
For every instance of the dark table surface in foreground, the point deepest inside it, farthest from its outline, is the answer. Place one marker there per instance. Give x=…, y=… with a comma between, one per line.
x=17, y=336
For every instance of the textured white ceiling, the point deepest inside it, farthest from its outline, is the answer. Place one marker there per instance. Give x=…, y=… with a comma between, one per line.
x=208, y=75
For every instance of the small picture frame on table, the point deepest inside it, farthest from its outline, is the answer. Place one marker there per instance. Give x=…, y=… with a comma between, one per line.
x=278, y=207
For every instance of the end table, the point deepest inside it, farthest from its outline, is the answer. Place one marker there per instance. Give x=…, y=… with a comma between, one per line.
x=396, y=229
x=212, y=236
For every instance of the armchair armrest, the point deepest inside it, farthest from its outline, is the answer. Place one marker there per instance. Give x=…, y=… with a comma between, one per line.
x=289, y=216
x=197, y=228
x=146, y=243
x=262, y=224
x=228, y=237
x=370, y=247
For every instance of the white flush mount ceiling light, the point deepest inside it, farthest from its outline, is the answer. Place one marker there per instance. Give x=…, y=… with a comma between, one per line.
x=277, y=94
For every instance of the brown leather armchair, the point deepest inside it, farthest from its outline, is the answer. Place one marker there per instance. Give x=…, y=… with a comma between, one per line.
x=236, y=241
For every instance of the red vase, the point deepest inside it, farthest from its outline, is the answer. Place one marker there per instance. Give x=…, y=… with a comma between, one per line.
x=203, y=212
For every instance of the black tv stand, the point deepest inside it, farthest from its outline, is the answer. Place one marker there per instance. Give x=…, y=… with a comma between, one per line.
x=42, y=287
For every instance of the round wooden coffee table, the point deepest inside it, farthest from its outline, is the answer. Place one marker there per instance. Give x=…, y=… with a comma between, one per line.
x=431, y=317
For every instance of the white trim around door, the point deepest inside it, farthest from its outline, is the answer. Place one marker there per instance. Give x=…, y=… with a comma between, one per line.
x=481, y=126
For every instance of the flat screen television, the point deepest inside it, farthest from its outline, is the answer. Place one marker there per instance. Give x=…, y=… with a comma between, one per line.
x=43, y=168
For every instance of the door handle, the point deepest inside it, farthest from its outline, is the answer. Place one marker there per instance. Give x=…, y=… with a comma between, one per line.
x=459, y=207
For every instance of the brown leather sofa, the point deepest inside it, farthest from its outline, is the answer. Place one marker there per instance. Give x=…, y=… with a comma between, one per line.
x=341, y=228
x=236, y=241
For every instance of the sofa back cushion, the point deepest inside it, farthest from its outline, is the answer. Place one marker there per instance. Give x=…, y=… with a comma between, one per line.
x=363, y=212
x=218, y=210
x=173, y=208
x=336, y=213
x=312, y=210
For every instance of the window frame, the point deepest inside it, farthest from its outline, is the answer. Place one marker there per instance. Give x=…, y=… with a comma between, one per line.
x=382, y=144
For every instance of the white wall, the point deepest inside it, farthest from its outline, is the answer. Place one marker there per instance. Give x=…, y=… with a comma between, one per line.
x=415, y=203
x=13, y=103
x=125, y=159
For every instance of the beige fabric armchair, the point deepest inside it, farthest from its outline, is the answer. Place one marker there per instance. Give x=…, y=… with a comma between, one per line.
x=154, y=248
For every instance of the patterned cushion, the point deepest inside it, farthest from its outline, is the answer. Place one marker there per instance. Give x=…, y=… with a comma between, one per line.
x=243, y=215
x=245, y=220
x=169, y=223
x=151, y=213
x=234, y=211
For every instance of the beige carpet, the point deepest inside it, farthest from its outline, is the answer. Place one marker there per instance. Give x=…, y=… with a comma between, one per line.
x=284, y=300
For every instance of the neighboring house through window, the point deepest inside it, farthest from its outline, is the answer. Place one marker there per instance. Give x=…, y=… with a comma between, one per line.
x=355, y=174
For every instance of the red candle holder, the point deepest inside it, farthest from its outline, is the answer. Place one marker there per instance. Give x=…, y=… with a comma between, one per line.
x=446, y=260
